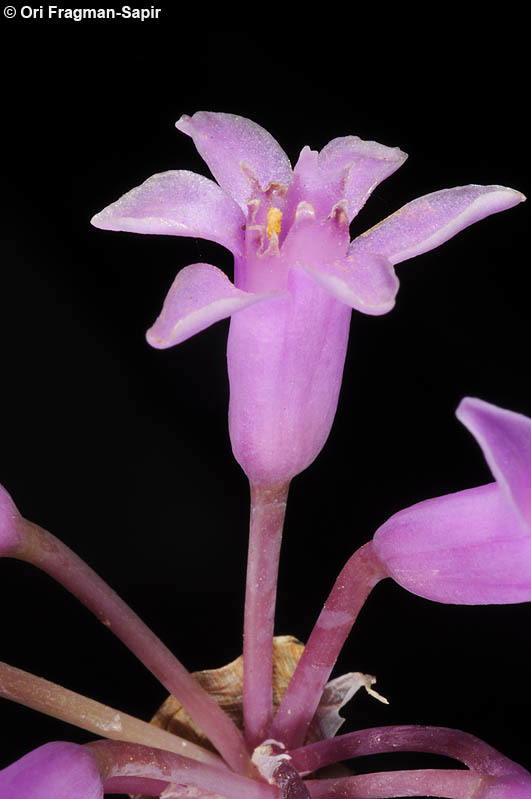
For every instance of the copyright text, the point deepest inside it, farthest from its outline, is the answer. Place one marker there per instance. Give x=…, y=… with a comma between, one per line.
x=80, y=14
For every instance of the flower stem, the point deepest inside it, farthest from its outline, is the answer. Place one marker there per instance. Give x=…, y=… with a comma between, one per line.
x=356, y=580
x=268, y=508
x=445, y=783
x=471, y=751
x=289, y=782
x=54, y=700
x=120, y=760
x=43, y=550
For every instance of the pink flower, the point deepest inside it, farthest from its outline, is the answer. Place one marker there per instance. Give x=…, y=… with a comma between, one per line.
x=297, y=275
x=58, y=770
x=474, y=546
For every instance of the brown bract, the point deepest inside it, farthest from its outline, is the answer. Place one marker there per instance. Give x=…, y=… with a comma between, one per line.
x=225, y=686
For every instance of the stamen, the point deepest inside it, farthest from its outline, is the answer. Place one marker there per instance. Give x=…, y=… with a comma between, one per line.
x=274, y=220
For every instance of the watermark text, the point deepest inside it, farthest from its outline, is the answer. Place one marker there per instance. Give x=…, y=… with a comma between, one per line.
x=81, y=14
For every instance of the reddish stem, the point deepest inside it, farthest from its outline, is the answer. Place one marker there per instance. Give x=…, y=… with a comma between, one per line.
x=471, y=751
x=444, y=783
x=356, y=580
x=47, y=697
x=43, y=550
x=118, y=760
x=268, y=508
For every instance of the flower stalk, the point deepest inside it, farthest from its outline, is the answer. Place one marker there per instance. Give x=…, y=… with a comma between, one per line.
x=352, y=587
x=462, y=746
x=444, y=783
x=268, y=508
x=54, y=700
x=119, y=761
x=42, y=549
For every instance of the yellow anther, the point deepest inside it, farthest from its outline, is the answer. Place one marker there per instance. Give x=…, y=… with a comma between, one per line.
x=274, y=219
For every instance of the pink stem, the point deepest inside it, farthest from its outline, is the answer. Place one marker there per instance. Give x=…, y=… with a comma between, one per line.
x=289, y=782
x=356, y=580
x=47, y=697
x=268, y=508
x=43, y=550
x=139, y=787
x=471, y=751
x=444, y=783
x=118, y=759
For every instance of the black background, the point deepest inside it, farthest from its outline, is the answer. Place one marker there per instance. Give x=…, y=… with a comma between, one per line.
x=123, y=451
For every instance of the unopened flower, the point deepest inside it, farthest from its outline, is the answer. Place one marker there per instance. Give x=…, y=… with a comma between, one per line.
x=296, y=275
x=474, y=546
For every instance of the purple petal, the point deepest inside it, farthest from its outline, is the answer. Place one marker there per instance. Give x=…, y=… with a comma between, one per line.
x=311, y=242
x=177, y=203
x=466, y=548
x=227, y=141
x=10, y=520
x=505, y=438
x=315, y=186
x=431, y=220
x=362, y=281
x=199, y=296
x=56, y=770
x=367, y=162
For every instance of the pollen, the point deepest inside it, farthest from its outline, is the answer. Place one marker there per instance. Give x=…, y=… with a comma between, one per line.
x=274, y=219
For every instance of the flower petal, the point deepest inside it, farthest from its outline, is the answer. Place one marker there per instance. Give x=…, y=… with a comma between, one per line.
x=431, y=220
x=227, y=141
x=177, y=203
x=505, y=438
x=199, y=296
x=58, y=770
x=311, y=241
x=363, y=281
x=368, y=163
x=467, y=548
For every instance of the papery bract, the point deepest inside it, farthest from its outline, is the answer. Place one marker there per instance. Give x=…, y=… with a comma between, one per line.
x=58, y=770
x=296, y=275
x=474, y=546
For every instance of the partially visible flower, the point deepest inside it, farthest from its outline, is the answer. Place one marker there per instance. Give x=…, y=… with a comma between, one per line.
x=297, y=275
x=58, y=770
x=474, y=546
x=10, y=524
